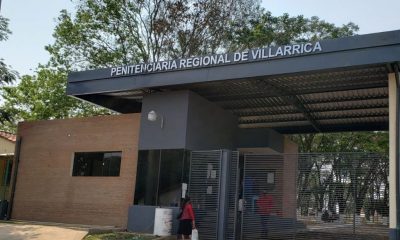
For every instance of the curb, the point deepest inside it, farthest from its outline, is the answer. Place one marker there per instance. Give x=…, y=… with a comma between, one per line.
x=166, y=238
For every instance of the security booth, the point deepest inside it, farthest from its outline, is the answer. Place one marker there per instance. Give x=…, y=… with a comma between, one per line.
x=214, y=127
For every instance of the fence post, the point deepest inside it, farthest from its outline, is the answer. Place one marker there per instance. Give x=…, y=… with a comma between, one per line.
x=223, y=193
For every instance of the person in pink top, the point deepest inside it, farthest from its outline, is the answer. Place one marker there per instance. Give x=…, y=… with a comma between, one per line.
x=186, y=220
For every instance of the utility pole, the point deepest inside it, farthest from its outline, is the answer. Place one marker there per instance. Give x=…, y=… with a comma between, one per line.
x=0, y=5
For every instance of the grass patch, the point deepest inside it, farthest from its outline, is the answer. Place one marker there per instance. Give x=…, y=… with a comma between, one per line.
x=119, y=236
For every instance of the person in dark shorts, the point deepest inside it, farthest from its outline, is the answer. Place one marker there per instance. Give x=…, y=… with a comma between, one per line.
x=186, y=221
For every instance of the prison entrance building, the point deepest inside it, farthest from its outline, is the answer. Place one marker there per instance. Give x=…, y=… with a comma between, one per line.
x=215, y=127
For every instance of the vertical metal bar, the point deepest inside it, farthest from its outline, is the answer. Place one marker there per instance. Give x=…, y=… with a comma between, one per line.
x=355, y=196
x=223, y=191
x=243, y=197
x=219, y=191
x=237, y=182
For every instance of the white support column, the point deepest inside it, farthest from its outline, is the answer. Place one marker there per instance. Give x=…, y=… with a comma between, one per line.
x=392, y=151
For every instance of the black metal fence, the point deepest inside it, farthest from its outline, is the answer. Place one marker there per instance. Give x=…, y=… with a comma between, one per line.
x=315, y=196
x=269, y=197
x=204, y=190
x=292, y=196
x=205, y=186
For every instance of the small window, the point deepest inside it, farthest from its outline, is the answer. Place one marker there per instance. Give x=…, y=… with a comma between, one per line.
x=97, y=164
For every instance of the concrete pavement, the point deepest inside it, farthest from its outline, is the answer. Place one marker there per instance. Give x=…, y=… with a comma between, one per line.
x=26, y=231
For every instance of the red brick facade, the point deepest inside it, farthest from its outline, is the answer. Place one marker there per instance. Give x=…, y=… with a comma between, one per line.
x=47, y=191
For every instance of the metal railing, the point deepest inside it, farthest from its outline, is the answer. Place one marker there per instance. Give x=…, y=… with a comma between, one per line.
x=205, y=191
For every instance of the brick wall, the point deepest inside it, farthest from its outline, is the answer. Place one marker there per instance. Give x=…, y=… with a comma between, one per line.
x=45, y=189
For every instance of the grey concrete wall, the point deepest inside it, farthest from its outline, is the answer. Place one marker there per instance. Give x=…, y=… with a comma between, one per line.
x=173, y=107
x=192, y=122
x=209, y=126
x=259, y=138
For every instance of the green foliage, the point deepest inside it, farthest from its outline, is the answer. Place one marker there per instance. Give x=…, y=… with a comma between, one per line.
x=343, y=142
x=43, y=97
x=367, y=168
x=4, y=31
x=103, y=33
x=106, y=33
x=6, y=74
x=271, y=30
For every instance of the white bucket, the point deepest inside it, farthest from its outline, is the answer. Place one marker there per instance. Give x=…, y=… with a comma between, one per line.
x=163, y=222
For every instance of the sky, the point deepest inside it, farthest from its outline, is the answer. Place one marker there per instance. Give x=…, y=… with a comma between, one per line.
x=32, y=22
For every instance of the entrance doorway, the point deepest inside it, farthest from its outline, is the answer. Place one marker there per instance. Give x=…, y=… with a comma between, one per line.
x=292, y=196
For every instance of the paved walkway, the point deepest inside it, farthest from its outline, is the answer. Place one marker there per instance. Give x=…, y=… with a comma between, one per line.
x=26, y=231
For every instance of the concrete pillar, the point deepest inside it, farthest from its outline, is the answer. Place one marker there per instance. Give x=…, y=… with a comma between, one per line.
x=393, y=149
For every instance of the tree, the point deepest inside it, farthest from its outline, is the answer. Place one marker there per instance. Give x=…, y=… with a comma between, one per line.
x=43, y=97
x=6, y=74
x=268, y=30
x=343, y=142
x=106, y=32
x=361, y=177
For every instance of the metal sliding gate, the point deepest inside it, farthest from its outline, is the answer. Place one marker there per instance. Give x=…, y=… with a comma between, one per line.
x=263, y=186
x=214, y=177
x=315, y=196
x=290, y=196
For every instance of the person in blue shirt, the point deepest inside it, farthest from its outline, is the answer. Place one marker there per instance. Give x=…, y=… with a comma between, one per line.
x=248, y=190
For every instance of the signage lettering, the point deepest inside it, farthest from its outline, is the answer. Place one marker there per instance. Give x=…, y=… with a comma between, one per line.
x=217, y=59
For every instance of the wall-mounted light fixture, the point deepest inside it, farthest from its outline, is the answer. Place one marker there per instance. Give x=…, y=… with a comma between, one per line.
x=152, y=116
